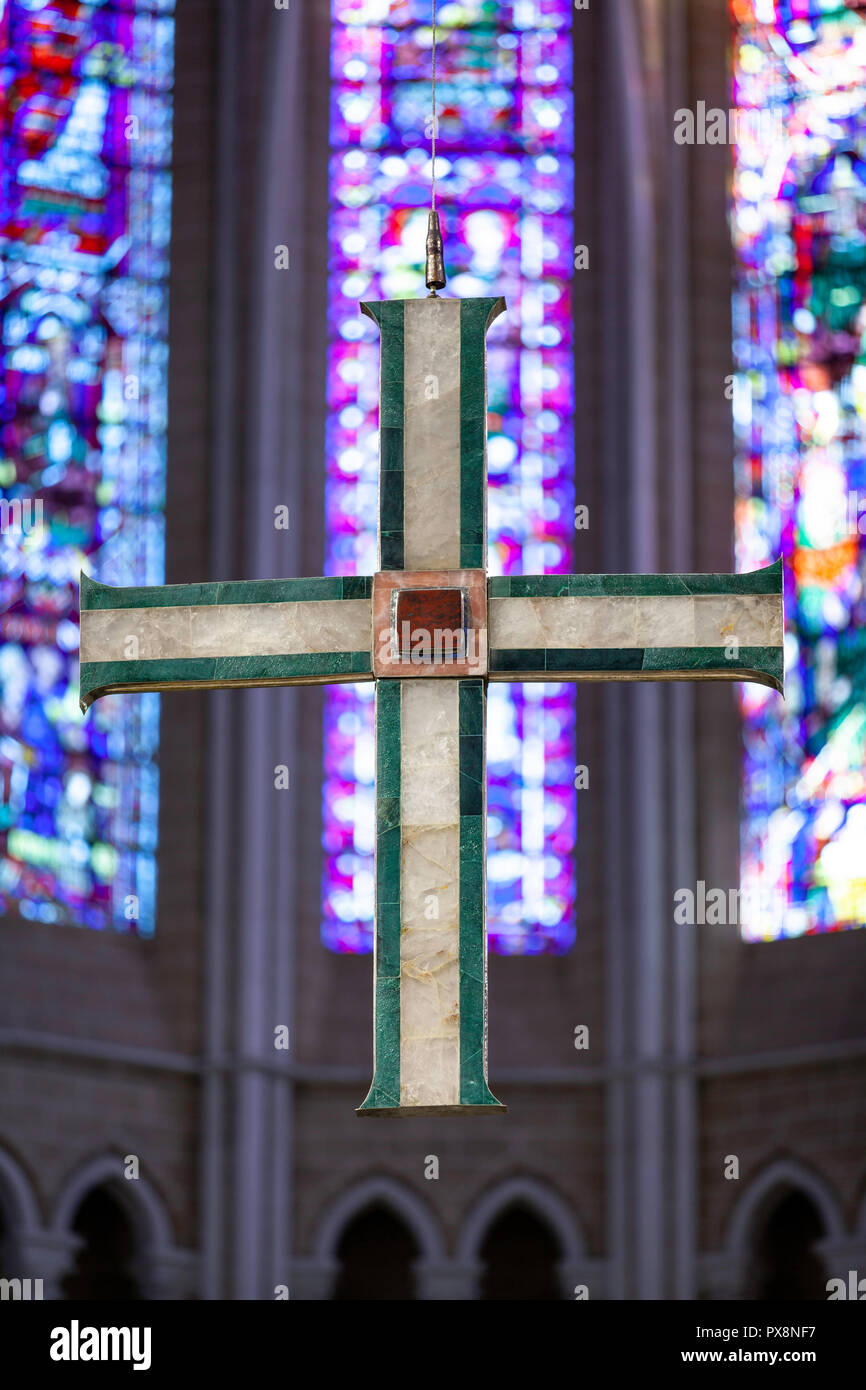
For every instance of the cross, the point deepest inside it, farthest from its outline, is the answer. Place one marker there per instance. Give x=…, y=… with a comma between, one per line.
x=431, y=629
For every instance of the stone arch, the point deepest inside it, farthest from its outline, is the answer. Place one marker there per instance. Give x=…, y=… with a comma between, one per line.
x=162, y=1269
x=387, y=1192
x=137, y=1197
x=19, y=1210
x=778, y=1179
x=17, y=1194
x=314, y=1276
x=733, y=1273
x=574, y=1267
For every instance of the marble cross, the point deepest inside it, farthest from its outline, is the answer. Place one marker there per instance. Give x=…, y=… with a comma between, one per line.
x=431, y=629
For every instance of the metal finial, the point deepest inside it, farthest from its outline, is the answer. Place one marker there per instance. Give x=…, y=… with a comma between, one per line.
x=435, y=278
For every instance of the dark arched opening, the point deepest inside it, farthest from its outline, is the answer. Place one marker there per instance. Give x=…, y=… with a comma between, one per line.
x=789, y=1269
x=520, y=1255
x=105, y=1264
x=376, y=1254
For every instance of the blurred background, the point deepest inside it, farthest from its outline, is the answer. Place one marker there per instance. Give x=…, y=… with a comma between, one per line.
x=194, y=198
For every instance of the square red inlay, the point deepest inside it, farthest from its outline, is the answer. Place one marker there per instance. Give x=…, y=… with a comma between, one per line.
x=430, y=621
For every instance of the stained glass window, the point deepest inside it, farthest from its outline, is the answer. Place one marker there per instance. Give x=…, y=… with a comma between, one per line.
x=85, y=194
x=799, y=227
x=505, y=181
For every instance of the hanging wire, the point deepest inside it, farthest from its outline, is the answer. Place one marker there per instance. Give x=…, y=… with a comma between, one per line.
x=433, y=137
x=435, y=272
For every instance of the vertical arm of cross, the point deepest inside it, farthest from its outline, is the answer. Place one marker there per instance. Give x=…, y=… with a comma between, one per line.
x=433, y=431
x=430, y=967
x=430, y=961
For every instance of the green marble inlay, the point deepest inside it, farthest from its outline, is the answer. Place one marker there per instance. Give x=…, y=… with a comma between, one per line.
x=385, y=1088
x=593, y=659
x=384, y=1092
x=470, y=709
x=473, y=1085
x=471, y=774
x=391, y=504
x=476, y=316
x=96, y=597
x=293, y=666
x=391, y=550
x=97, y=677
x=357, y=585
x=390, y=316
x=766, y=662
x=764, y=581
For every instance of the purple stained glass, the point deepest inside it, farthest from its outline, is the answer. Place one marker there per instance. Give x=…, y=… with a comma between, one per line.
x=798, y=217
x=505, y=190
x=85, y=201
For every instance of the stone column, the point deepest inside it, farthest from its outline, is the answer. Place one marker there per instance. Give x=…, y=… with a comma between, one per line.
x=451, y=1280
x=49, y=1256
x=313, y=1278
x=173, y=1274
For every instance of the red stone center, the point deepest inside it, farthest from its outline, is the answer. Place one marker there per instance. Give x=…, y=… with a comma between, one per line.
x=429, y=624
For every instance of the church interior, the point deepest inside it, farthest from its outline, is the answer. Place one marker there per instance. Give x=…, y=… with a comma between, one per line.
x=670, y=197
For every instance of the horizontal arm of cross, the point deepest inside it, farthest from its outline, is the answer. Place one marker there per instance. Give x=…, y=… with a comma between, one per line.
x=579, y=627
x=207, y=636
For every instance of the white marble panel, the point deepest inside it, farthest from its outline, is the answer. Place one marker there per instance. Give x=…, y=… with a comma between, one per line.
x=430, y=870
x=232, y=629
x=619, y=621
x=662, y=621
x=562, y=622
x=431, y=440
x=135, y=634
x=755, y=620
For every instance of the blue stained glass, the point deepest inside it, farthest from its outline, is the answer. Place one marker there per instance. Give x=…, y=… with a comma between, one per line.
x=798, y=216
x=85, y=206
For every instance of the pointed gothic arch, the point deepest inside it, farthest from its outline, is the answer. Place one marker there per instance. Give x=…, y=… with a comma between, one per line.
x=735, y=1272
x=19, y=1213
x=161, y=1268
x=386, y=1192
x=315, y=1275
x=780, y=1178
x=574, y=1267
